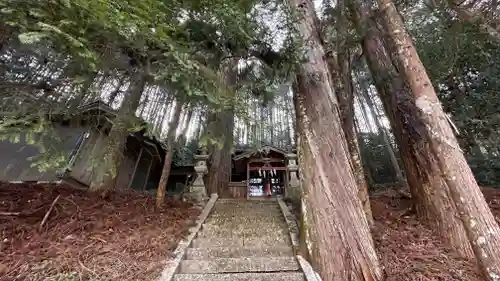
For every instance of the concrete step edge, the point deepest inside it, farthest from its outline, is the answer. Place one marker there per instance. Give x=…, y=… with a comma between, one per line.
x=268, y=276
x=236, y=252
x=240, y=265
x=205, y=242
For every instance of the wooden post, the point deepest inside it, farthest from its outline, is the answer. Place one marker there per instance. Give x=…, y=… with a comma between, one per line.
x=248, y=180
x=292, y=168
x=79, y=146
x=285, y=182
x=135, y=167
x=149, y=171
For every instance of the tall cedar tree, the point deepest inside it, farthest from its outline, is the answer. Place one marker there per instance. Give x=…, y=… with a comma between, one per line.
x=478, y=221
x=427, y=187
x=167, y=162
x=340, y=69
x=376, y=117
x=345, y=246
x=222, y=124
x=117, y=137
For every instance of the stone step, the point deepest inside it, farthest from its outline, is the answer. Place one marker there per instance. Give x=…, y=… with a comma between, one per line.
x=247, y=222
x=244, y=201
x=247, y=206
x=244, y=219
x=222, y=201
x=240, y=228
x=263, y=241
x=236, y=225
x=247, y=217
x=251, y=207
x=235, y=252
x=254, y=207
x=244, y=209
x=212, y=232
x=234, y=265
x=236, y=222
x=244, y=212
x=225, y=202
x=273, y=276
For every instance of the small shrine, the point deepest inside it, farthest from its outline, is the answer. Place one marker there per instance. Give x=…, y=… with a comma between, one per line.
x=262, y=172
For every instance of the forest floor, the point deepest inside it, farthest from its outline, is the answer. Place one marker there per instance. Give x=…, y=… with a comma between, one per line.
x=125, y=238
x=85, y=237
x=410, y=251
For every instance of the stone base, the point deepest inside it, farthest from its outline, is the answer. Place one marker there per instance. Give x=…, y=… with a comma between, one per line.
x=197, y=193
x=294, y=192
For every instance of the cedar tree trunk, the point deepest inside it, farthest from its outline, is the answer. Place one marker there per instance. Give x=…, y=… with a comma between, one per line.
x=341, y=79
x=428, y=189
x=117, y=137
x=167, y=163
x=343, y=238
x=478, y=221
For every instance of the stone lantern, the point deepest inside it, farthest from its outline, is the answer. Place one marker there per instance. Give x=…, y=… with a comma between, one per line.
x=294, y=184
x=197, y=190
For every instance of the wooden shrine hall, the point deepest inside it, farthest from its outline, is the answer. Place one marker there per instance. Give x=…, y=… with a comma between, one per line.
x=265, y=171
x=255, y=172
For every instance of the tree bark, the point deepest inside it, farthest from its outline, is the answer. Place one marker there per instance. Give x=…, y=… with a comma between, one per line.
x=165, y=114
x=219, y=172
x=482, y=22
x=185, y=127
x=167, y=163
x=6, y=33
x=222, y=125
x=117, y=137
x=381, y=129
x=344, y=243
x=200, y=124
x=84, y=92
x=116, y=91
x=367, y=167
x=288, y=114
x=478, y=221
x=427, y=187
x=346, y=102
x=342, y=79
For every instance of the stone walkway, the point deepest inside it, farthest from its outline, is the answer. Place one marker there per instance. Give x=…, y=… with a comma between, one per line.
x=241, y=241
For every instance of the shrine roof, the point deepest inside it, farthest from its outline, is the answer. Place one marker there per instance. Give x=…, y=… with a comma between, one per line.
x=258, y=151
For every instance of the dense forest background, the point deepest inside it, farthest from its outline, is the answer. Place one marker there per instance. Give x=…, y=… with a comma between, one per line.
x=373, y=95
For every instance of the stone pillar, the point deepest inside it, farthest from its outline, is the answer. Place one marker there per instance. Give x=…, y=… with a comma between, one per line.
x=197, y=190
x=293, y=184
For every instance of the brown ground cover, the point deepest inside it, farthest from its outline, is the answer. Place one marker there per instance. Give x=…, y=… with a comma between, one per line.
x=85, y=237
x=410, y=251
x=126, y=238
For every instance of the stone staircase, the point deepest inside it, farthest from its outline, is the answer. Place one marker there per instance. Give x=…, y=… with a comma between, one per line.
x=241, y=241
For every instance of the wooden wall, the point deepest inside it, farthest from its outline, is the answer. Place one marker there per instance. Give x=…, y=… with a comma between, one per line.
x=237, y=190
x=15, y=164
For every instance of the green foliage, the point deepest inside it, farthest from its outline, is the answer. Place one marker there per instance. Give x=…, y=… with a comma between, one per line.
x=41, y=134
x=183, y=156
x=181, y=41
x=485, y=168
x=31, y=37
x=464, y=64
x=182, y=45
x=211, y=138
x=376, y=159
